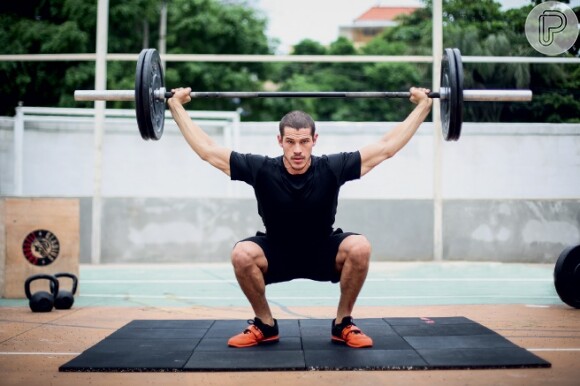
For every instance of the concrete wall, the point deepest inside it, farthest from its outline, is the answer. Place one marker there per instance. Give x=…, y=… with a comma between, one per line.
x=511, y=192
x=171, y=230
x=510, y=230
x=176, y=230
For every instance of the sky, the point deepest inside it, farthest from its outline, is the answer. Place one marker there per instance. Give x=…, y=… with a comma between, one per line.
x=291, y=21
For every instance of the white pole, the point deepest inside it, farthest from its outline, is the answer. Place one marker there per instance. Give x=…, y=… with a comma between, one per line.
x=18, y=149
x=100, y=84
x=163, y=32
x=437, y=138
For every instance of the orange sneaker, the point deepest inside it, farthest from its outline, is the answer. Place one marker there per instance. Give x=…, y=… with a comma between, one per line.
x=257, y=333
x=348, y=333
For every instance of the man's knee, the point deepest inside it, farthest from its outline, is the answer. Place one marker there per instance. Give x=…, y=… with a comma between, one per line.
x=357, y=250
x=246, y=255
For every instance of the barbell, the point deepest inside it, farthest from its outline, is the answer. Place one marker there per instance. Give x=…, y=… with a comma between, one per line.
x=567, y=276
x=150, y=94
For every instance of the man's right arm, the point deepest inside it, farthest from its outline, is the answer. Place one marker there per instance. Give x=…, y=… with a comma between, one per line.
x=198, y=140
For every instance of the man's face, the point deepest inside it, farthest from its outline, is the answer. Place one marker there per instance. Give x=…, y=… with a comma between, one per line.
x=297, y=145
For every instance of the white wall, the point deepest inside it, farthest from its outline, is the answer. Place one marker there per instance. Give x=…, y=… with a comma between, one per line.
x=511, y=192
x=489, y=161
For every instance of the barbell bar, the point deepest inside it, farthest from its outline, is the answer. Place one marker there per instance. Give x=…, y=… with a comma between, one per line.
x=468, y=95
x=150, y=94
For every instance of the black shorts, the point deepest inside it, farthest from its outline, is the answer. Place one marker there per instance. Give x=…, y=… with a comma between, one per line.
x=315, y=260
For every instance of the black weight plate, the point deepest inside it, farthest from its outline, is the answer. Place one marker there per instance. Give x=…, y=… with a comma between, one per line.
x=156, y=106
x=567, y=276
x=141, y=123
x=153, y=108
x=448, y=91
x=150, y=110
x=459, y=110
x=444, y=99
x=145, y=104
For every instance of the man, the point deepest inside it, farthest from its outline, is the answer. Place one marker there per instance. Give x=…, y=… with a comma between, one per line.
x=297, y=197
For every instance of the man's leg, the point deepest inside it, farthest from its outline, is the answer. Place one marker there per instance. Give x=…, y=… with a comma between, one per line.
x=250, y=264
x=352, y=261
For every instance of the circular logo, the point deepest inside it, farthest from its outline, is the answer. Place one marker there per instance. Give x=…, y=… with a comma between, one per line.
x=41, y=247
x=551, y=28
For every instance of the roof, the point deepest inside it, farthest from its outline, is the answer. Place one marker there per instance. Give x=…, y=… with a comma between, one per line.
x=385, y=13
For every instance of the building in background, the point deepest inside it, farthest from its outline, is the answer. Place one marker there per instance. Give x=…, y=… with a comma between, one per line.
x=374, y=21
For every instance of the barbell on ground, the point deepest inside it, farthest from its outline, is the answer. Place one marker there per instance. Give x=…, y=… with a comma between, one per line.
x=567, y=276
x=150, y=94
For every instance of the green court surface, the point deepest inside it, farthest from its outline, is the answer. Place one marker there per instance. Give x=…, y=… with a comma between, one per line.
x=388, y=284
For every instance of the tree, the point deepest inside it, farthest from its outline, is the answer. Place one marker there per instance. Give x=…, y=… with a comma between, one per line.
x=213, y=27
x=62, y=26
x=37, y=27
x=346, y=77
x=481, y=28
x=555, y=85
x=68, y=26
x=234, y=27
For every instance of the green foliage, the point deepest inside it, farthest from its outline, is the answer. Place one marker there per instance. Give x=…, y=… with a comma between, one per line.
x=345, y=77
x=213, y=27
x=69, y=26
x=478, y=28
x=481, y=28
x=414, y=32
x=64, y=26
x=309, y=47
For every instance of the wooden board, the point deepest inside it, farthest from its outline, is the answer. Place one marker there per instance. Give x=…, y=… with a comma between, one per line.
x=41, y=236
x=2, y=247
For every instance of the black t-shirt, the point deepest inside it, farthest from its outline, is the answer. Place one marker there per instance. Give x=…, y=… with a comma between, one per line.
x=296, y=207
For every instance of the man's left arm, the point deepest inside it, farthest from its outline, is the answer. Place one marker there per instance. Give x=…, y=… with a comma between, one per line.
x=396, y=139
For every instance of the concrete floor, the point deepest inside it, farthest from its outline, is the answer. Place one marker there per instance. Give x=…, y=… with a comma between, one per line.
x=515, y=300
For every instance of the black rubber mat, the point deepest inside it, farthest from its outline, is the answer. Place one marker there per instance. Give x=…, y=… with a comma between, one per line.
x=399, y=344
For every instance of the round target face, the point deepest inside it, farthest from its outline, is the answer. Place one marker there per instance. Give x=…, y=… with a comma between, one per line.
x=41, y=247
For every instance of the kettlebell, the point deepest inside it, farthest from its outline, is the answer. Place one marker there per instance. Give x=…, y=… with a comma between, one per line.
x=64, y=299
x=41, y=301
